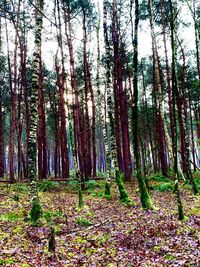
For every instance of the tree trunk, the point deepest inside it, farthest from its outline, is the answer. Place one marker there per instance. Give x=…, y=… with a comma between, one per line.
x=167, y=70
x=2, y=151
x=159, y=87
x=78, y=150
x=33, y=98
x=174, y=88
x=144, y=194
x=122, y=98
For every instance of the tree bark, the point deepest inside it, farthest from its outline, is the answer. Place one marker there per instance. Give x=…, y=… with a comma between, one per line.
x=33, y=98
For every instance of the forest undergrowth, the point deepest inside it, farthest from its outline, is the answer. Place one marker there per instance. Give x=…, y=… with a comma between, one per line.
x=102, y=232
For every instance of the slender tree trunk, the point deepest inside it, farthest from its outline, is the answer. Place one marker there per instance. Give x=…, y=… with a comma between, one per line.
x=148, y=120
x=87, y=134
x=197, y=119
x=167, y=70
x=102, y=127
x=192, y=131
x=2, y=151
x=19, y=134
x=2, y=160
x=62, y=112
x=121, y=97
x=40, y=124
x=117, y=124
x=33, y=98
x=197, y=37
x=109, y=111
x=76, y=104
x=174, y=88
x=13, y=105
x=144, y=194
x=159, y=87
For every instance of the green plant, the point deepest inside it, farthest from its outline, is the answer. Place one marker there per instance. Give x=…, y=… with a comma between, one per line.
x=72, y=173
x=8, y=261
x=82, y=221
x=91, y=185
x=101, y=174
x=93, y=194
x=80, y=198
x=158, y=177
x=58, y=213
x=47, y=186
x=11, y=217
x=162, y=187
x=100, y=194
x=47, y=215
x=72, y=185
x=169, y=257
x=20, y=187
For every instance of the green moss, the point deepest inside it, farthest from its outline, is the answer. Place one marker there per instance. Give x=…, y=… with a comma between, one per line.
x=107, y=194
x=25, y=265
x=194, y=211
x=7, y=261
x=156, y=248
x=12, y=216
x=145, y=197
x=124, y=198
x=36, y=211
x=179, y=202
x=169, y=257
x=16, y=197
x=18, y=230
x=195, y=186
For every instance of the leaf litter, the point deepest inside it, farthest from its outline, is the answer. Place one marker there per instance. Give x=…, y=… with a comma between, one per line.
x=119, y=236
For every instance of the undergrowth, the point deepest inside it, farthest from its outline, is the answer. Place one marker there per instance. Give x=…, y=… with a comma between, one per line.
x=82, y=221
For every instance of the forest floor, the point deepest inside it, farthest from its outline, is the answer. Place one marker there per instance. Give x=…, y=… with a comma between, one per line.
x=103, y=233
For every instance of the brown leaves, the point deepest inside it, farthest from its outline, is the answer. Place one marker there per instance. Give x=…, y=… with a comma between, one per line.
x=119, y=236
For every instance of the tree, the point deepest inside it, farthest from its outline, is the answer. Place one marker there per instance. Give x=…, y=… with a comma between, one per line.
x=144, y=194
x=33, y=97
